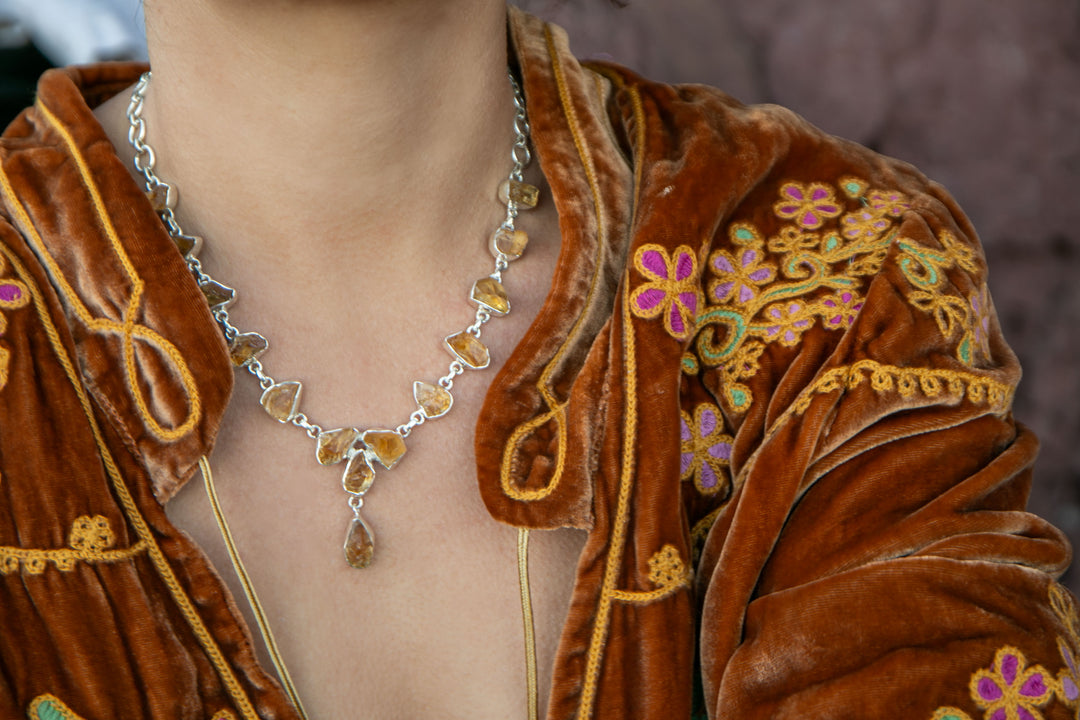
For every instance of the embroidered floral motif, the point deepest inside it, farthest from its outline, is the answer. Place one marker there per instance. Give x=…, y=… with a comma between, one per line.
x=846, y=305
x=90, y=541
x=978, y=335
x=787, y=322
x=706, y=451
x=49, y=707
x=1068, y=686
x=807, y=205
x=13, y=295
x=1011, y=690
x=672, y=288
x=667, y=570
x=739, y=277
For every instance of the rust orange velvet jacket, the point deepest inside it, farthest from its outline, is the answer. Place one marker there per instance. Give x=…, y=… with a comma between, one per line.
x=768, y=381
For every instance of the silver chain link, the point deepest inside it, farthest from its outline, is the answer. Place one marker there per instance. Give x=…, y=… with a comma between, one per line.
x=145, y=159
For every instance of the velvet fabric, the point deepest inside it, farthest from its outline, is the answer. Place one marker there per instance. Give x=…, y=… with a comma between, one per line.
x=768, y=381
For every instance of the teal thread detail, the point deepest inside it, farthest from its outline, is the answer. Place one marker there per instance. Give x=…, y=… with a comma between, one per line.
x=744, y=234
x=738, y=397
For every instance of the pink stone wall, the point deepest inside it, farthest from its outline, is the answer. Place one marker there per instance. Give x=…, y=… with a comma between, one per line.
x=982, y=96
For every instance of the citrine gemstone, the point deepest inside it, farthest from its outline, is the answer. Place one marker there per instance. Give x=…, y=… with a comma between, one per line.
x=524, y=195
x=162, y=197
x=433, y=400
x=509, y=243
x=387, y=445
x=188, y=245
x=332, y=446
x=359, y=544
x=490, y=293
x=358, y=475
x=469, y=350
x=245, y=347
x=216, y=294
x=282, y=400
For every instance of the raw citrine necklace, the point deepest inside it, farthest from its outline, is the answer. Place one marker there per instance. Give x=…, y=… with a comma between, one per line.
x=359, y=450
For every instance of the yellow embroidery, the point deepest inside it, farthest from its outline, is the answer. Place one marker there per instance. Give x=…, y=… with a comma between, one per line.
x=705, y=450
x=1068, y=678
x=50, y=707
x=1010, y=685
x=89, y=542
x=129, y=331
x=224, y=715
x=667, y=572
x=13, y=295
x=131, y=510
x=907, y=382
x=950, y=713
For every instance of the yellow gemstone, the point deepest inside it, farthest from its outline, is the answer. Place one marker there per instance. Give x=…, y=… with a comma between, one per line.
x=188, y=245
x=162, y=197
x=490, y=293
x=524, y=195
x=359, y=544
x=469, y=350
x=358, y=475
x=433, y=400
x=245, y=347
x=282, y=400
x=509, y=243
x=387, y=445
x=333, y=445
x=216, y=294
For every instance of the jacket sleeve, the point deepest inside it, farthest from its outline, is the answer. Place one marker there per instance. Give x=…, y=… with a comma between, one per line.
x=868, y=553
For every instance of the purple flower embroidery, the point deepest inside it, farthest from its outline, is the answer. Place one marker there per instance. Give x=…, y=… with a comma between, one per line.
x=737, y=278
x=786, y=322
x=705, y=450
x=1010, y=689
x=840, y=310
x=864, y=224
x=980, y=319
x=671, y=290
x=1069, y=677
x=807, y=205
x=887, y=203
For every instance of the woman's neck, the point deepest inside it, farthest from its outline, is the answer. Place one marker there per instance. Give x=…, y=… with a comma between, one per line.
x=350, y=114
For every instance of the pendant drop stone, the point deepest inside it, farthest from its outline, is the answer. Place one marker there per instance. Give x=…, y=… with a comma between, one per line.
x=469, y=350
x=510, y=244
x=282, y=400
x=433, y=400
x=333, y=445
x=359, y=544
x=490, y=293
x=358, y=475
x=523, y=194
x=245, y=347
x=216, y=294
x=388, y=446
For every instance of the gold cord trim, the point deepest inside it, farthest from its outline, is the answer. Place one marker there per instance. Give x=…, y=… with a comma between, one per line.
x=89, y=541
x=249, y=588
x=527, y=621
x=131, y=509
x=667, y=571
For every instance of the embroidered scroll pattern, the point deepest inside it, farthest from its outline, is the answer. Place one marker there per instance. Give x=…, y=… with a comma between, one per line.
x=667, y=572
x=50, y=707
x=90, y=541
x=13, y=295
x=1010, y=689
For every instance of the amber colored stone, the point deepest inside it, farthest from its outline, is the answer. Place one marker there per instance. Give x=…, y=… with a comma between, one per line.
x=188, y=245
x=433, y=400
x=469, y=350
x=162, y=197
x=245, y=347
x=358, y=475
x=521, y=193
x=490, y=293
x=359, y=544
x=387, y=446
x=332, y=446
x=216, y=294
x=510, y=244
x=282, y=400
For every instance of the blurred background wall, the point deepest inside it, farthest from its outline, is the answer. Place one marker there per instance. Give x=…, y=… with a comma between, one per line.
x=982, y=96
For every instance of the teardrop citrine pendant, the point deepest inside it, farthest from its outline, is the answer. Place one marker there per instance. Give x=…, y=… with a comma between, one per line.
x=359, y=544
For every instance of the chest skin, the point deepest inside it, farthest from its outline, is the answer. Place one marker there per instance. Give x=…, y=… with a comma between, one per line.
x=433, y=628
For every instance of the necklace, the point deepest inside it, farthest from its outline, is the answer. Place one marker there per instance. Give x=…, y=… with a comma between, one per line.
x=359, y=450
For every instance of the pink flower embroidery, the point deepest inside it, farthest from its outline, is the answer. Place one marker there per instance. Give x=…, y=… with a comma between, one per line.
x=808, y=206
x=671, y=289
x=737, y=279
x=705, y=450
x=840, y=310
x=1010, y=690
